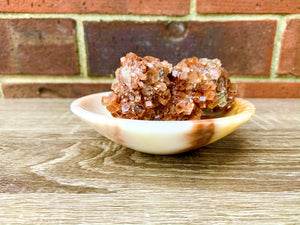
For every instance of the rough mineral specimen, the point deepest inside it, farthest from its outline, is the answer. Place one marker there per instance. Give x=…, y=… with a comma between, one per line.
x=200, y=86
x=150, y=89
x=141, y=90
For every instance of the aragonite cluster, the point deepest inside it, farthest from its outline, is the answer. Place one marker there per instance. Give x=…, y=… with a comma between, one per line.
x=150, y=89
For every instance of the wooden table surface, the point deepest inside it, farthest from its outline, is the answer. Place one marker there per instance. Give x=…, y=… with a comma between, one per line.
x=55, y=169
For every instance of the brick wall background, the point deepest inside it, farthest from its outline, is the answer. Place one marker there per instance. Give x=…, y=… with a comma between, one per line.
x=55, y=48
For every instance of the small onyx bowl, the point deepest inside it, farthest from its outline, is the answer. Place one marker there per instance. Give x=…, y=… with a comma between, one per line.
x=160, y=137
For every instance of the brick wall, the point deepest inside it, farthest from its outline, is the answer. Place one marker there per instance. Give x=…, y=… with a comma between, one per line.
x=54, y=48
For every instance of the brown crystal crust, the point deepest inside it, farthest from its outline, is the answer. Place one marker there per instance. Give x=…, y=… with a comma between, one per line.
x=200, y=87
x=141, y=90
x=150, y=89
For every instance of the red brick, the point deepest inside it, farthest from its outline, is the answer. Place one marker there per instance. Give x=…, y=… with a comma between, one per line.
x=52, y=90
x=268, y=89
x=248, y=6
x=38, y=46
x=244, y=47
x=154, y=7
x=46, y=26
x=48, y=59
x=289, y=60
x=5, y=49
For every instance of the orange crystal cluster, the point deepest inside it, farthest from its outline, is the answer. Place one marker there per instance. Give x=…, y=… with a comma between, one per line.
x=200, y=87
x=141, y=90
x=150, y=89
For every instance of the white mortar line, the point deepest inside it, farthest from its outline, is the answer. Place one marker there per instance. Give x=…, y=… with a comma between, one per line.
x=276, y=48
x=292, y=16
x=1, y=92
x=193, y=6
x=82, y=53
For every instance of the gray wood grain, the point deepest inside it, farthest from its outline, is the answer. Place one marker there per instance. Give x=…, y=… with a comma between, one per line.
x=54, y=169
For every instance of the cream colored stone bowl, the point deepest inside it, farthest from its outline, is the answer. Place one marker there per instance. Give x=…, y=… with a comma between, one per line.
x=160, y=137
